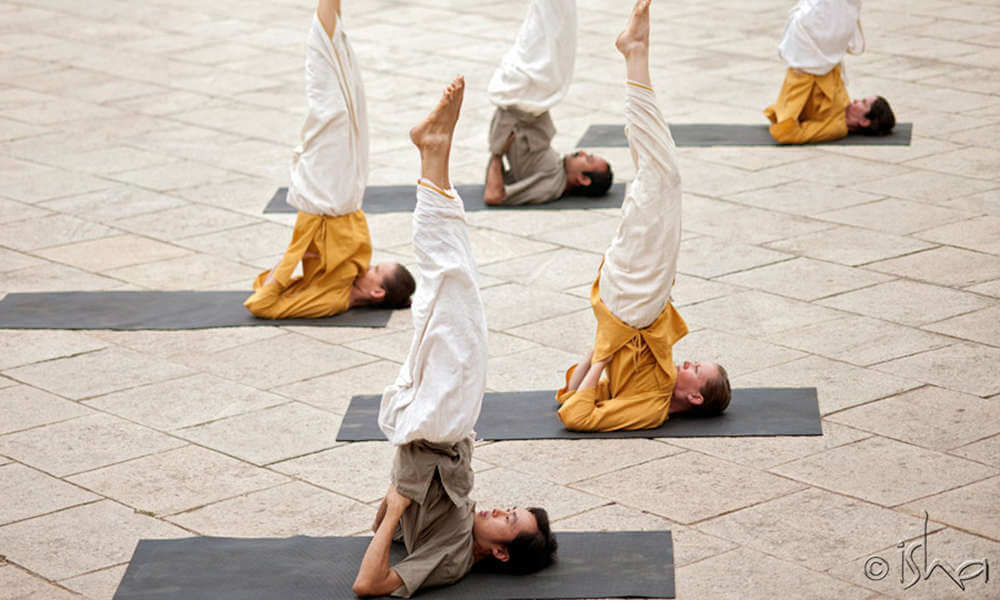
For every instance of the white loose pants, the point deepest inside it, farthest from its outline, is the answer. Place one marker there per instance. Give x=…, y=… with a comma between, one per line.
x=819, y=33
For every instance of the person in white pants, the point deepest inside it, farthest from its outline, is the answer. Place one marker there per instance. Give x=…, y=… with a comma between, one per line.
x=637, y=325
x=533, y=77
x=430, y=411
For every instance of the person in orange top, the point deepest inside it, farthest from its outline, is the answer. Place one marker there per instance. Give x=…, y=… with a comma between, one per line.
x=813, y=104
x=328, y=176
x=637, y=325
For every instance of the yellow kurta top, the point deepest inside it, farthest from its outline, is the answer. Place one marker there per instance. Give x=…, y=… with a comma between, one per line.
x=640, y=377
x=809, y=108
x=345, y=249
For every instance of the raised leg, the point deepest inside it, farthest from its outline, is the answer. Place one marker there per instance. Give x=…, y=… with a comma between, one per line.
x=633, y=43
x=328, y=12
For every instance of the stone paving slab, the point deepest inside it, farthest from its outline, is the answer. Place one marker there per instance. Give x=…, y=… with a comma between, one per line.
x=138, y=144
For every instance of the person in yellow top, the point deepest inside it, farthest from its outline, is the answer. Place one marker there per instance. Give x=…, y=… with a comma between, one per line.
x=329, y=172
x=813, y=104
x=637, y=325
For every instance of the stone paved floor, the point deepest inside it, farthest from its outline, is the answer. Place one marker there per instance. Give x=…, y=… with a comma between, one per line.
x=140, y=140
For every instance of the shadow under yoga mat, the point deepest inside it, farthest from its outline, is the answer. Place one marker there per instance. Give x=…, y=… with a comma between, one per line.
x=724, y=134
x=532, y=416
x=154, y=310
x=401, y=198
x=591, y=565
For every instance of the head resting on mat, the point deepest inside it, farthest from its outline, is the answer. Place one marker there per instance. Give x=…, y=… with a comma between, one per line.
x=701, y=390
x=587, y=174
x=386, y=285
x=516, y=540
x=870, y=116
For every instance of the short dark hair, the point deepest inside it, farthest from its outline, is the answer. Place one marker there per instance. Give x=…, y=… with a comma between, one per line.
x=398, y=286
x=528, y=552
x=600, y=183
x=881, y=118
x=715, y=394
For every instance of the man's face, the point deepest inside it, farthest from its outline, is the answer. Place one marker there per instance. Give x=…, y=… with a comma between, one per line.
x=857, y=110
x=375, y=276
x=692, y=376
x=500, y=526
x=582, y=162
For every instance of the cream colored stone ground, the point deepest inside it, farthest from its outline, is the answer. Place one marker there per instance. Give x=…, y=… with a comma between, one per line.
x=139, y=142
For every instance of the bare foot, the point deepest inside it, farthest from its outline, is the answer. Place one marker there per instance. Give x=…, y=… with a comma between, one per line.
x=494, y=193
x=635, y=36
x=436, y=130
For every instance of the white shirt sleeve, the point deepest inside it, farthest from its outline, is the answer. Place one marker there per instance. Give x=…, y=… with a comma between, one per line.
x=819, y=33
x=329, y=168
x=439, y=391
x=535, y=73
x=641, y=262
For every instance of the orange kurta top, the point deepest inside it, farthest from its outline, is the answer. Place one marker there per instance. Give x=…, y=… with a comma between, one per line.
x=640, y=377
x=809, y=108
x=344, y=247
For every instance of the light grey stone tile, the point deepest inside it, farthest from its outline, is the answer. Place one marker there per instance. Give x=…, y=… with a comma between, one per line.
x=184, y=402
x=535, y=369
x=248, y=243
x=291, y=509
x=957, y=367
x=112, y=252
x=766, y=452
x=690, y=545
x=55, y=278
x=82, y=539
x=392, y=346
x=971, y=508
x=116, y=202
x=592, y=237
x=531, y=223
x=187, y=272
x=571, y=333
x=13, y=261
x=838, y=385
x=805, y=279
x=691, y=290
x=555, y=270
x=500, y=488
x=177, y=480
x=99, y=585
x=717, y=181
x=28, y=493
x=907, y=302
x=980, y=326
x=979, y=163
x=18, y=211
x=813, y=528
x=986, y=451
x=950, y=547
x=990, y=288
x=173, y=176
x=51, y=183
x=664, y=487
x=492, y=246
x=710, y=257
x=171, y=343
x=270, y=434
x=574, y=460
x=755, y=314
x=849, y=245
x=183, y=222
x=359, y=471
x=83, y=443
x=836, y=168
x=25, y=346
x=925, y=186
x=895, y=216
x=333, y=392
x=883, y=471
x=96, y=373
x=276, y=361
x=861, y=341
x=803, y=198
x=929, y=417
x=736, y=353
x=54, y=230
x=23, y=407
x=980, y=233
x=511, y=305
x=752, y=225
x=944, y=266
x=16, y=584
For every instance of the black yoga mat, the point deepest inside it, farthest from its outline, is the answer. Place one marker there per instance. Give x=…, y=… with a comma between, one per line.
x=625, y=564
x=725, y=134
x=401, y=198
x=153, y=310
x=532, y=416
